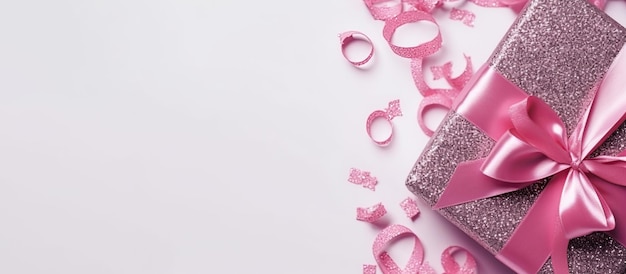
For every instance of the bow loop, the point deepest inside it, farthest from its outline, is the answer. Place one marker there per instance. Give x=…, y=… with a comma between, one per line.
x=541, y=127
x=609, y=168
x=515, y=161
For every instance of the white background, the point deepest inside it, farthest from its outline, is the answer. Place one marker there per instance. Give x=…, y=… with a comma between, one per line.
x=208, y=136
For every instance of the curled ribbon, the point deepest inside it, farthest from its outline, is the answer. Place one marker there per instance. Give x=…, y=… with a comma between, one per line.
x=584, y=195
x=432, y=97
x=392, y=111
x=450, y=266
x=371, y=214
x=416, y=262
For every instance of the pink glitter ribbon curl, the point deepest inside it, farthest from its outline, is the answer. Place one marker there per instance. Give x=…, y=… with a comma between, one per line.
x=371, y=214
x=416, y=262
x=584, y=194
x=432, y=97
x=345, y=38
x=450, y=266
x=363, y=178
x=387, y=9
x=392, y=111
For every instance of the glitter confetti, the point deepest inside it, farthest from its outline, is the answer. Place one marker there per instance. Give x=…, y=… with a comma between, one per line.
x=371, y=214
x=393, y=110
x=363, y=178
x=369, y=269
x=527, y=57
x=465, y=16
x=410, y=208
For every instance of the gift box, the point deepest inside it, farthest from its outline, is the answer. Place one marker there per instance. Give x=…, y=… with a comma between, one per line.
x=560, y=52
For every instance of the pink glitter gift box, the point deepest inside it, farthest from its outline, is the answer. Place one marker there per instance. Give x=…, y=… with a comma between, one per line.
x=558, y=51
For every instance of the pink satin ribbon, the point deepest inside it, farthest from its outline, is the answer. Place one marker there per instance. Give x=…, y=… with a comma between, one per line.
x=396, y=13
x=584, y=195
x=416, y=262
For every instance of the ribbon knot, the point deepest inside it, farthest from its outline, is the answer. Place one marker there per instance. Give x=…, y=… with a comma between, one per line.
x=579, y=166
x=537, y=147
x=583, y=194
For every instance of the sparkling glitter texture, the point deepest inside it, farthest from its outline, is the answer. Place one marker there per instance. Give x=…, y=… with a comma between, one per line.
x=370, y=214
x=410, y=208
x=369, y=269
x=363, y=178
x=393, y=110
x=465, y=16
x=556, y=50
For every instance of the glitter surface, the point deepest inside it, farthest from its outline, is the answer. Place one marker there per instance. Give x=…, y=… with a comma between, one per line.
x=369, y=269
x=465, y=16
x=410, y=208
x=371, y=214
x=363, y=178
x=556, y=50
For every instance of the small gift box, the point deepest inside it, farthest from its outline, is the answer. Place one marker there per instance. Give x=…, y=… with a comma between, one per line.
x=529, y=162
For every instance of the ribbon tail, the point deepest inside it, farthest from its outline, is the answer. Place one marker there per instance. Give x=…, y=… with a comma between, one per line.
x=468, y=184
x=518, y=254
x=559, y=253
x=614, y=197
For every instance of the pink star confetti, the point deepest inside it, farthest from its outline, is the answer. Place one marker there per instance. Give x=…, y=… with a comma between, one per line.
x=466, y=16
x=363, y=178
x=410, y=208
x=370, y=214
x=369, y=269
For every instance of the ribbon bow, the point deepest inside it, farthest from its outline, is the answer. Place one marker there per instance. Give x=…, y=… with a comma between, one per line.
x=584, y=195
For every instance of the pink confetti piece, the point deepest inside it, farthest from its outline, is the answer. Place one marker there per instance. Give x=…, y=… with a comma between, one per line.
x=371, y=214
x=423, y=5
x=363, y=178
x=410, y=208
x=467, y=17
x=393, y=110
x=369, y=269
